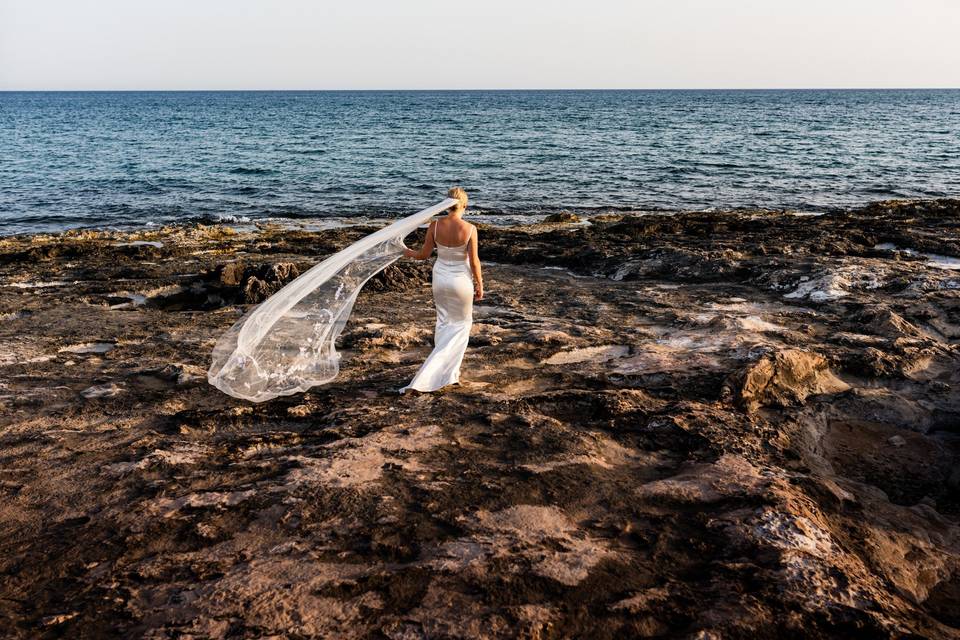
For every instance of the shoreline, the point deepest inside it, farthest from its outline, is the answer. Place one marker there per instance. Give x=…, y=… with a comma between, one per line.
x=489, y=216
x=665, y=417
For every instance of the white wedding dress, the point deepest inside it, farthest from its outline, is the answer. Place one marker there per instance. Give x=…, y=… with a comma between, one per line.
x=453, y=297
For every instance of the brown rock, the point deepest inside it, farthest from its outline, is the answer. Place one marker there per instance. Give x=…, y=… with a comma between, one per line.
x=231, y=274
x=564, y=217
x=785, y=378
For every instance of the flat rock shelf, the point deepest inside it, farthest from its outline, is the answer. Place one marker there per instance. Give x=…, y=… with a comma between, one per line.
x=703, y=425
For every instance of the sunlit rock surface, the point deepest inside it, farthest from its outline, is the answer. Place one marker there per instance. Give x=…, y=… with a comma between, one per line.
x=703, y=425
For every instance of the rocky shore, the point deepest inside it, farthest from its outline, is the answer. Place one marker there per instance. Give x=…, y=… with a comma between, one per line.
x=702, y=425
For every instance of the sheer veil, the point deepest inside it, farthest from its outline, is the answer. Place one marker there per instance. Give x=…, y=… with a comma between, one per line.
x=287, y=344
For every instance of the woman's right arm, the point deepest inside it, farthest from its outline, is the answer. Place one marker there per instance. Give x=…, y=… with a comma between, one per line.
x=427, y=247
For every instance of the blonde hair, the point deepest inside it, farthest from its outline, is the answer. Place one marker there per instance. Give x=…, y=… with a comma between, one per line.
x=457, y=193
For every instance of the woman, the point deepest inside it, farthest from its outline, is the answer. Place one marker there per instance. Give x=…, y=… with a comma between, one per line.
x=457, y=282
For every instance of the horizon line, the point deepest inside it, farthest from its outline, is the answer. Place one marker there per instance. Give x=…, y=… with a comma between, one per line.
x=439, y=90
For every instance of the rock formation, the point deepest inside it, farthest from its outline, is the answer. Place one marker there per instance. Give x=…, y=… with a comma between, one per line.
x=693, y=425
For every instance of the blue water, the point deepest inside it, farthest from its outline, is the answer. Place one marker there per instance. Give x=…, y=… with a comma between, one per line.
x=119, y=159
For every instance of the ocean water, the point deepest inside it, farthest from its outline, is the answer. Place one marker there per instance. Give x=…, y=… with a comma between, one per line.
x=127, y=159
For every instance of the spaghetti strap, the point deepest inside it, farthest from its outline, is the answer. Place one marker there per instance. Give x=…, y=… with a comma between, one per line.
x=459, y=246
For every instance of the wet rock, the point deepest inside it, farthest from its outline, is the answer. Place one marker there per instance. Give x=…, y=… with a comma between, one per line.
x=563, y=217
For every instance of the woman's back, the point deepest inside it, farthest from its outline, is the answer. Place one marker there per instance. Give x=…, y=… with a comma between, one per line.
x=452, y=233
x=456, y=231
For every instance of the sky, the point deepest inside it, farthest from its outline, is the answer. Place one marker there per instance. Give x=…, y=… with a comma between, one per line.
x=481, y=44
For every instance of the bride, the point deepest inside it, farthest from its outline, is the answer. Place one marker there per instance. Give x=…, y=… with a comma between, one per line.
x=457, y=282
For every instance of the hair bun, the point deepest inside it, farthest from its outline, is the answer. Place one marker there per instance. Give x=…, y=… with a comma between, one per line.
x=458, y=193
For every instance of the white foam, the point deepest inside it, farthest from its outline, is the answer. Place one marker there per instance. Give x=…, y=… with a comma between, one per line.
x=226, y=217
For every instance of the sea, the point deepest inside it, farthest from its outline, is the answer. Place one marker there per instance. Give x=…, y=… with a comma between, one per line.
x=133, y=159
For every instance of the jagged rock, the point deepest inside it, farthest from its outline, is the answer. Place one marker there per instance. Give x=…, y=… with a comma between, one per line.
x=885, y=322
x=230, y=274
x=784, y=378
x=256, y=290
x=404, y=275
x=621, y=493
x=263, y=281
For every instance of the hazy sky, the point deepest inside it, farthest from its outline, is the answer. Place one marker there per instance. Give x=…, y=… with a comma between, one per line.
x=452, y=44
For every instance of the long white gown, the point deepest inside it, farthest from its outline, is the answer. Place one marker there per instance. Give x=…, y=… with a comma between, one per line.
x=453, y=297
